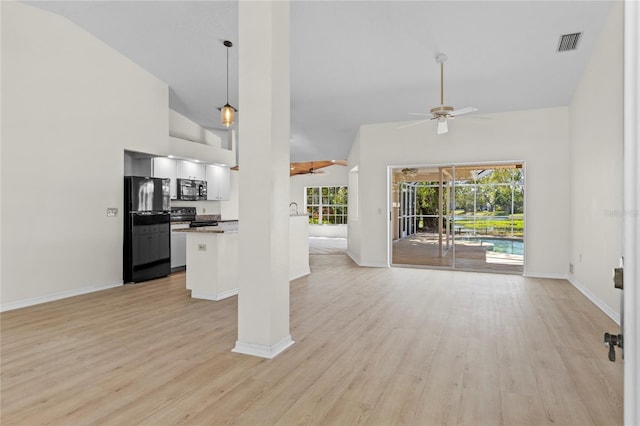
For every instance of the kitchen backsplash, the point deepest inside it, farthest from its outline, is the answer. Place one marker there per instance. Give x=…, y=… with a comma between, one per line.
x=208, y=217
x=202, y=207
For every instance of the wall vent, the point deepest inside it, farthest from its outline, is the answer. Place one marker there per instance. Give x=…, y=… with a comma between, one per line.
x=569, y=42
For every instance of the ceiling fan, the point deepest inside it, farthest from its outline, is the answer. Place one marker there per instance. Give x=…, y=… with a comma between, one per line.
x=307, y=169
x=315, y=171
x=442, y=113
x=313, y=167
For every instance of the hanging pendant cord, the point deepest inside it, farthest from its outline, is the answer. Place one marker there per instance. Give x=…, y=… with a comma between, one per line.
x=227, y=75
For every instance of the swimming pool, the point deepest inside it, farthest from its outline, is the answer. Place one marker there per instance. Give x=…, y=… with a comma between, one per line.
x=501, y=246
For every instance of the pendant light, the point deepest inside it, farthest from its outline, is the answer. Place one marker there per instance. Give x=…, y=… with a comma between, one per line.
x=227, y=112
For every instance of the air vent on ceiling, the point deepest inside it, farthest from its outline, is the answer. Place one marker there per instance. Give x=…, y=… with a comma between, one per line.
x=569, y=42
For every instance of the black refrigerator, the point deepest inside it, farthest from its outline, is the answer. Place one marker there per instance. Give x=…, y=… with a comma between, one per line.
x=147, y=228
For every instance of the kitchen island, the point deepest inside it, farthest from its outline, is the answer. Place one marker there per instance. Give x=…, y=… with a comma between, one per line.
x=213, y=251
x=212, y=261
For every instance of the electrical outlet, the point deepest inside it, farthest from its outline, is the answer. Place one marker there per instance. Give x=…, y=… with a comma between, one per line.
x=202, y=247
x=112, y=212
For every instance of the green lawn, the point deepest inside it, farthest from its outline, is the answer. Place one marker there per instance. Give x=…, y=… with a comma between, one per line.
x=486, y=223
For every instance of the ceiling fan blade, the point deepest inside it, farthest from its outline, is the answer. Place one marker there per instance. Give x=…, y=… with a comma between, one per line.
x=413, y=124
x=420, y=113
x=442, y=127
x=465, y=110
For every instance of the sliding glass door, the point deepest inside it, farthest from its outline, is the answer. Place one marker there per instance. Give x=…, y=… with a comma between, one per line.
x=460, y=217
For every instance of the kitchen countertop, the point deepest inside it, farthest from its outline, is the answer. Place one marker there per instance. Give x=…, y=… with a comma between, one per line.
x=221, y=228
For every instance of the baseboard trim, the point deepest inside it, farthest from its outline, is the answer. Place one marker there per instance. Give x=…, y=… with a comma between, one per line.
x=373, y=265
x=594, y=299
x=195, y=294
x=263, y=351
x=353, y=257
x=57, y=296
x=365, y=264
x=546, y=275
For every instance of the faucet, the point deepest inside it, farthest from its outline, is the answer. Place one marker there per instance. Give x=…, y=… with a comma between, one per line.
x=293, y=203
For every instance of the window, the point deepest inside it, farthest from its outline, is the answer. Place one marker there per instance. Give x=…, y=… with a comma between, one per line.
x=327, y=205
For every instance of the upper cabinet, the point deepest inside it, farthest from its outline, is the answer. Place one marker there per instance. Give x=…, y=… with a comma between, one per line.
x=191, y=170
x=218, y=177
x=166, y=168
x=218, y=182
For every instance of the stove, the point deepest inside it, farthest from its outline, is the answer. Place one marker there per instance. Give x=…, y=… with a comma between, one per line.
x=183, y=214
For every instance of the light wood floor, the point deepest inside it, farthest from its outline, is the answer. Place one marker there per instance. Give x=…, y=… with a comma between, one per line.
x=422, y=249
x=373, y=346
x=325, y=245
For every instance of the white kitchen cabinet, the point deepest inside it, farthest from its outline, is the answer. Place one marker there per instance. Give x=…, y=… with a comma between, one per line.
x=224, y=183
x=191, y=170
x=166, y=168
x=218, y=182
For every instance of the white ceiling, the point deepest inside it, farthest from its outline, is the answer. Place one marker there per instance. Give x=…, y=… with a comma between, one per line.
x=357, y=62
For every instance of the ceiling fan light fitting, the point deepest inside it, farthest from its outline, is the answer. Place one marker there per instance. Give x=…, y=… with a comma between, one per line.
x=442, y=126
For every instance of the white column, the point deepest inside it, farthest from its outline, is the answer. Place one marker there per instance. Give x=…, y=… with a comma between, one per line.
x=263, y=288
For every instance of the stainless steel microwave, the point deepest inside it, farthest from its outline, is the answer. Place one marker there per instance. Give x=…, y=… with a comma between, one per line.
x=192, y=190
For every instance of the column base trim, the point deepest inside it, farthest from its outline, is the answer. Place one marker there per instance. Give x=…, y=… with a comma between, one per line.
x=263, y=351
x=196, y=294
x=300, y=274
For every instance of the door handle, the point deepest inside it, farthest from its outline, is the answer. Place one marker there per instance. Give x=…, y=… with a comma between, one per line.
x=612, y=341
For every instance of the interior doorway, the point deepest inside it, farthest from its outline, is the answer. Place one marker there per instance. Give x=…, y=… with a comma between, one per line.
x=463, y=217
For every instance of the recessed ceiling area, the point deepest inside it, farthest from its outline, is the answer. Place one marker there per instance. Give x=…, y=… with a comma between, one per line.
x=357, y=62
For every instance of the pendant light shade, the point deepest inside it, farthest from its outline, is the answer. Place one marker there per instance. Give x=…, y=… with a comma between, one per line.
x=227, y=115
x=227, y=112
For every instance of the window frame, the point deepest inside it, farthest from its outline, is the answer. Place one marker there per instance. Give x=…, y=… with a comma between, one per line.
x=321, y=204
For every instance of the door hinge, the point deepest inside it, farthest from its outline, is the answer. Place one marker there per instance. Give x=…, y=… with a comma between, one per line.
x=618, y=278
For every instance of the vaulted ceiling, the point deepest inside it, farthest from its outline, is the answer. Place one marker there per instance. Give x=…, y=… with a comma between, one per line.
x=357, y=62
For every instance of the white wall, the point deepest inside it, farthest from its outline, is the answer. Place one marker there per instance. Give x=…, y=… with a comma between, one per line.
x=537, y=137
x=184, y=128
x=72, y=105
x=354, y=241
x=596, y=129
x=334, y=176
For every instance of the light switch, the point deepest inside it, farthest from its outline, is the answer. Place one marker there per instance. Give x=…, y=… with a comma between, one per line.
x=202, y=247
x=112, y=212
